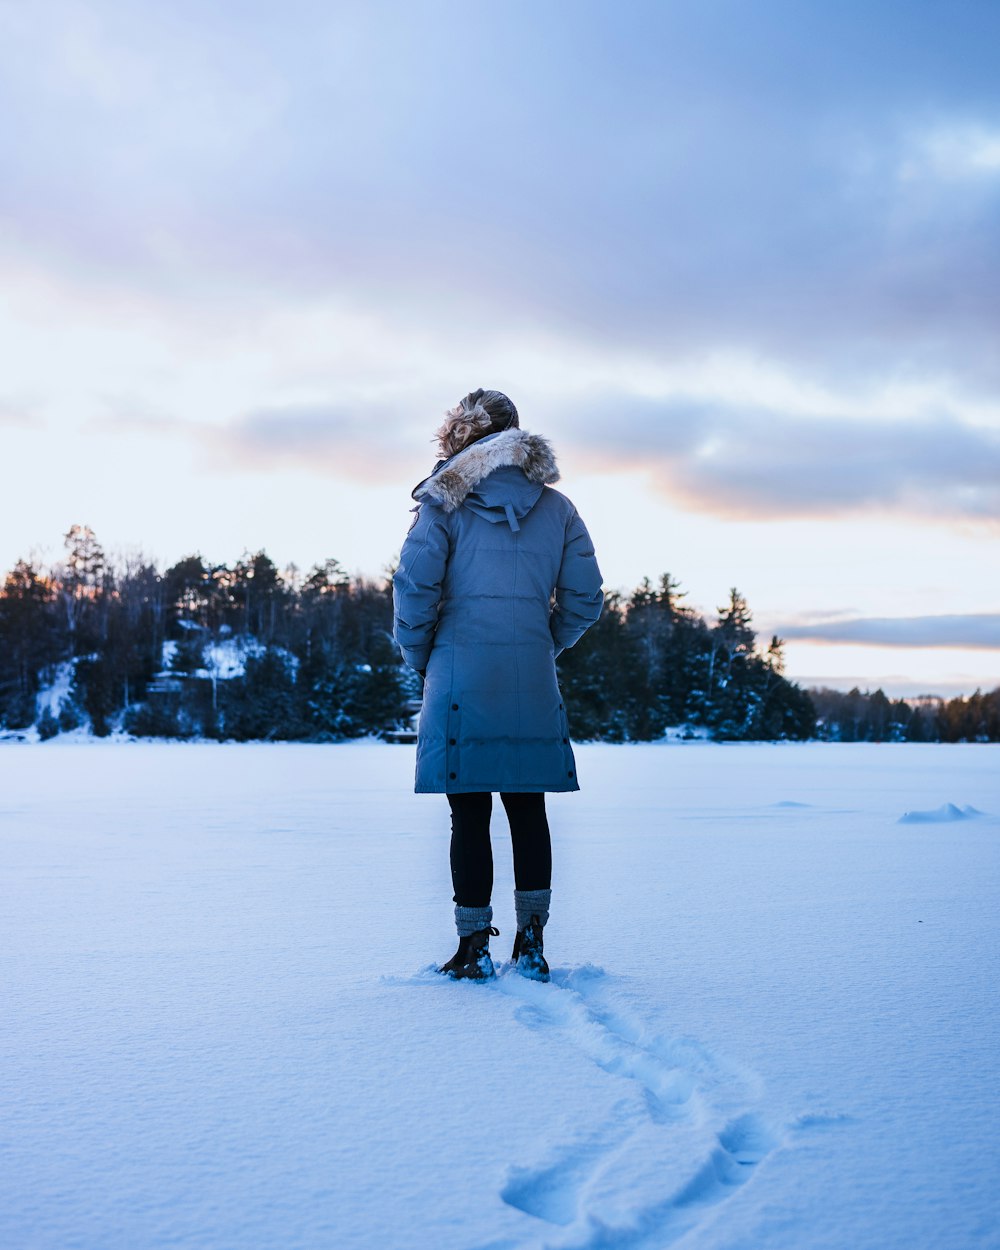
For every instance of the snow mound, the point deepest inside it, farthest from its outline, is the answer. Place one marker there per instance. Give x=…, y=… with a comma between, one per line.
x=940, y=815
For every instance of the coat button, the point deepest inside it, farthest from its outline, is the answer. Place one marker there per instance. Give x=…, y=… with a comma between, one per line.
x=454, y=775
x=453, y=742
x=569, y=774
x=454, y=707
x=565, y=742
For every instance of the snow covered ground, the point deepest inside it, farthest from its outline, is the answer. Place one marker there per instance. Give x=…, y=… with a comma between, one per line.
x=773, y=1020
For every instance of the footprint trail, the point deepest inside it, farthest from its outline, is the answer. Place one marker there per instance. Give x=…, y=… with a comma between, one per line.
x=693, y=1136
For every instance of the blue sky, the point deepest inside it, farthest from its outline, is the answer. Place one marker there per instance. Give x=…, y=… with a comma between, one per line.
x=738, y=260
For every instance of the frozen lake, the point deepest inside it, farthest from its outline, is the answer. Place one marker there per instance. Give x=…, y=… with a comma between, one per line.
x=772, y=1024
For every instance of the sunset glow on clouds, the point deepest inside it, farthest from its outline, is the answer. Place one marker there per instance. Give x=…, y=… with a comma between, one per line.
x=738, y=262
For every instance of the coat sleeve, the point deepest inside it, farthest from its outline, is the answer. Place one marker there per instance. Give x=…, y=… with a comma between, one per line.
x=416, y=585
x=579, y=597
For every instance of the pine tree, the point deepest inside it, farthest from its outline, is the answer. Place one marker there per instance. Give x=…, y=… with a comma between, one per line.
x=30, y=641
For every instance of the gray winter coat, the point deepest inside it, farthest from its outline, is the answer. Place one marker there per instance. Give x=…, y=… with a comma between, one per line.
x=490, y=546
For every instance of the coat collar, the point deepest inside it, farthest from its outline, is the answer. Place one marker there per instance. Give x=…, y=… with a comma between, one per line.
x=454, y=478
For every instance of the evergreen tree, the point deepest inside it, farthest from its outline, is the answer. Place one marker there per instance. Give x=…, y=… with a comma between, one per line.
x=263, y=702
x=30, y=641
x=96, y=691
x=593, y=679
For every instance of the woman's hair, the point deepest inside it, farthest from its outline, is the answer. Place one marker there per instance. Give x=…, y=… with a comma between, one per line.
x=478, y=414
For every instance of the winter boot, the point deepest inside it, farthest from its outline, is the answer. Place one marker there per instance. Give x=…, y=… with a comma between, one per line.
x=527, y=954
x=472, y=962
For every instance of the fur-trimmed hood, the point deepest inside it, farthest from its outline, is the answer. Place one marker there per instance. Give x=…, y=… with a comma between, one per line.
x=455, y=479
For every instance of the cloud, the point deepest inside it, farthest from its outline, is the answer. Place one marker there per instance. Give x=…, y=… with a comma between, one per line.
x=706, y=454
x=976, y=631
x=365, y=441
x=953, y=152
x=762, y=464
x=15, y=412
x=361, y=441
x=727, y=178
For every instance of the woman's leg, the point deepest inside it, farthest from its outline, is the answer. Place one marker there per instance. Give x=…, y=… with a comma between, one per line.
x=471, y=853
x=472, y=877
x=529, y=833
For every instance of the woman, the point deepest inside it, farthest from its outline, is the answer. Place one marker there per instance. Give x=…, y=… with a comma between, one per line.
x=497, y=576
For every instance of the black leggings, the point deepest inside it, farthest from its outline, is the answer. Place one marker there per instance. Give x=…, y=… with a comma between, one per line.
x=472, y=855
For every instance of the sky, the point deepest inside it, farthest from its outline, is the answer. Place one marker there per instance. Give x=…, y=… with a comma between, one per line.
x=739, y=262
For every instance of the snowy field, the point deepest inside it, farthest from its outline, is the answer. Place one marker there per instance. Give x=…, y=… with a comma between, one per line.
x=773, y=1022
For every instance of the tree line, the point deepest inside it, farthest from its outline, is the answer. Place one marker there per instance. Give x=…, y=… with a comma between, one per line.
x=249, y=651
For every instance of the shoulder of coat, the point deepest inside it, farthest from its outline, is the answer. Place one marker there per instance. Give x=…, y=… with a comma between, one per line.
x=429, y=512
x=560, y=501
x=531, y=453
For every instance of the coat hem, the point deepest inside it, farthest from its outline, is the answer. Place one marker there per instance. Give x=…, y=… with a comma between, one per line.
x=482, y=789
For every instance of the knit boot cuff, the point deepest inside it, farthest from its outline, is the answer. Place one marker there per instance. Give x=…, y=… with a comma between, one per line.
x=528, y=903
x=469, y=920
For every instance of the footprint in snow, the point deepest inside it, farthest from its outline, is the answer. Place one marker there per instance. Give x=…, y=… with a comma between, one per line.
x=553, y=1192
x=562, y=1193
x=573, y=1002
